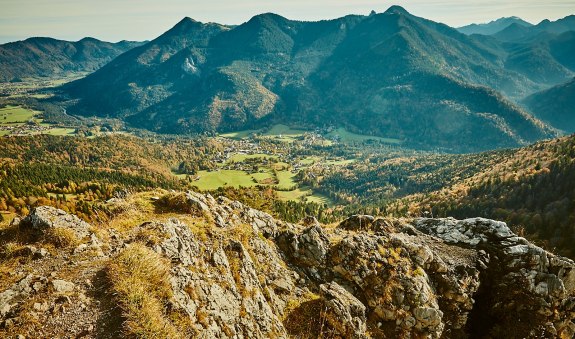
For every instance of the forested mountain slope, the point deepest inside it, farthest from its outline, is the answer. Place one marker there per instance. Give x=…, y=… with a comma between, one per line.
x=51, y=58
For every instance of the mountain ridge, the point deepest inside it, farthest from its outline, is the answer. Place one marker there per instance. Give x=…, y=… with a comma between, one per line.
x=555, y=105
x=493, y=26
x=272, y=69
x=517, y=32
x=48, y=57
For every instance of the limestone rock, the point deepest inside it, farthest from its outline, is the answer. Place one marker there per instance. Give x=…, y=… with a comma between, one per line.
x=381, y=271
x=236, y=272
x=526, y=288
x=46, y=217
x=18, y=292
x=62, y=286
x=308, y=249
x=343, y=312
x=174, y=239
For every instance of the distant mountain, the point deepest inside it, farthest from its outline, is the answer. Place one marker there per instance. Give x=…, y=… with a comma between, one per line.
x=493, y=26
x=147, y=75
x=47, y=57
x=371, y=74
x=546, y=60
x=516, y=32
x=555, y=106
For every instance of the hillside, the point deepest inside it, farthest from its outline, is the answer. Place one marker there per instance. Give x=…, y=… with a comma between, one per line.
x=545, y=60
x=494, y=26
x=49, y=58
x=530, y=188
x=370, y=75
x=188, y=265
x=78, y=174
x=555, y=106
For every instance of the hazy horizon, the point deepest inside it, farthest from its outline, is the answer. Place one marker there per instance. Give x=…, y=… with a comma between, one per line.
x=111, y=20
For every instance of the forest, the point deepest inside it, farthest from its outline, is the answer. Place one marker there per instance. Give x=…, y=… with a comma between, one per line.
x=530, y=188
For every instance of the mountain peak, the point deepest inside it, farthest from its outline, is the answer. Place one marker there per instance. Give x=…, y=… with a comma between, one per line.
x=269, y=16
x=89, y=39
x=395, y=9
x=185, y=23
x=186, y=20
x=182, y=27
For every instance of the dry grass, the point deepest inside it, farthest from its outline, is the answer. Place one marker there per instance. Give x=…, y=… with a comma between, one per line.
x=61, y=237
x=140, y=280
x=175, y=202
x=11, y=249
x=305, y=318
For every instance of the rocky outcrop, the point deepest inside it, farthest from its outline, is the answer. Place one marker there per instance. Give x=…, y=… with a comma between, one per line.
x=225, y=212
x=219, y=284
x=525, y=292
x=358, y=222
x=343, y=311
x=307, y=250
x=16, y=294
x=44, y=218
x=235, y=272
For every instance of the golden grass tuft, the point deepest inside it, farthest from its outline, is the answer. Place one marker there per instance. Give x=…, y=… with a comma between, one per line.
x=140, y=280
x=305, y=318
x=61, y=237
x=10, y=249
x=175, y=202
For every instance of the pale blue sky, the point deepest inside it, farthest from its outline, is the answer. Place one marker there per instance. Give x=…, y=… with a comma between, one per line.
x=115, y=20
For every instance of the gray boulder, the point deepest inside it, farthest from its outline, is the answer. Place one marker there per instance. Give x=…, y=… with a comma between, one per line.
x=43, y=218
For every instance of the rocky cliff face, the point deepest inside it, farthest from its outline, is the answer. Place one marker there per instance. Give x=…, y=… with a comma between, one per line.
x=229, y=271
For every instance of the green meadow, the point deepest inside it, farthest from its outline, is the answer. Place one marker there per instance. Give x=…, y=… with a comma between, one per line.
x=16, y=114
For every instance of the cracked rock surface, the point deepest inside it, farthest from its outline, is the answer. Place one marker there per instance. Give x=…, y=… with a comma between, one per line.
x=235, y=272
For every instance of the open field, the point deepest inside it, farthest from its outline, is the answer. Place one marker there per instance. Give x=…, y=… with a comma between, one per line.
x=309, y=160
x=340, y=162
x=319, y=199
x=286, y=180
x=295, y=195
x=284, y=133
x=14, y=121
x=239, y=134
x=61, y=131
x=16, y=114
x=287, y=134
x=264, y=178
x=223, y=178
x=306, y=194
x=243, y=157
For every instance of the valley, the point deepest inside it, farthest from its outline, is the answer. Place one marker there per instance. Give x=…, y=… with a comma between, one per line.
x=368, y=176
x=329, y=168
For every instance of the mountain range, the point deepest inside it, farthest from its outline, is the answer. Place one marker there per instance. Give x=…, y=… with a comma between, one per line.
x=370, y=74
x=388, y=74
x=517, y=32
x=494, y=26
x=47, y=57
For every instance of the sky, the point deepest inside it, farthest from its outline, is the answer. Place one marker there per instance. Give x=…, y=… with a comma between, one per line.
x=137, y=20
